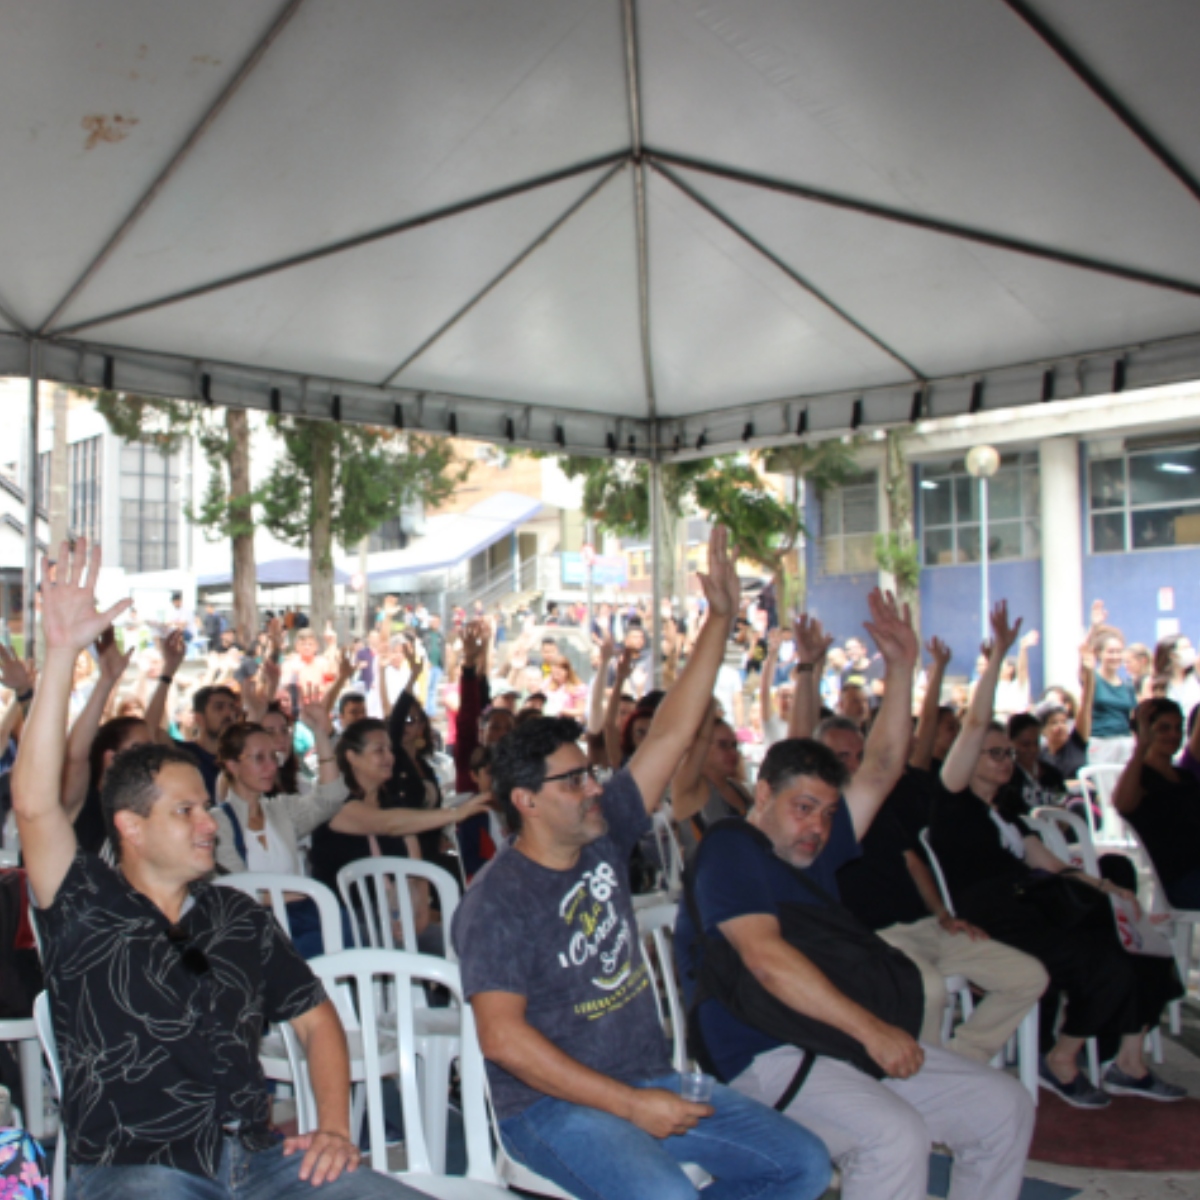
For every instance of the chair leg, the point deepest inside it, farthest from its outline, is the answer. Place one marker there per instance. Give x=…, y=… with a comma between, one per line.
x=29, y=1052
x=1028, y=1051
x=1093, y=1061
x=434, y=1057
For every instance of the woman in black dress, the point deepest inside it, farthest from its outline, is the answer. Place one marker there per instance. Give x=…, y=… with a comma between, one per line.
x=1002, y=878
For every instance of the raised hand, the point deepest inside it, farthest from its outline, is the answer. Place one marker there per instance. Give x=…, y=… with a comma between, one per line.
x=812, y=642
x=624, y=666
x=1003, y=634
x=1030, y=640
x=891, y=627
x=16, y=675
x=608, y=650
x=1087, y=657
x=69, y=617
x=113, y=664
x=939, y=652
x=722, y=588
x=172, y=648
x=345, y=664
x=1099, y=614
x=316, y=716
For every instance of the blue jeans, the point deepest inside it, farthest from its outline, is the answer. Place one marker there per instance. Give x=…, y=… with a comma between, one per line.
x=242, y=1175
x=749, y=1149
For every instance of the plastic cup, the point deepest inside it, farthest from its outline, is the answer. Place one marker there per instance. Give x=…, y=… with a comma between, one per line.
x=696, y=1086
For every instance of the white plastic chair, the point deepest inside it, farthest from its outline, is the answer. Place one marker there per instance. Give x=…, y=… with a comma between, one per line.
x=368, y=888
x=1100, y=780
x=44, y=1032
x=260, y=885
x=656, y=927
x=1052, y=824
x=670, y=855
x=1024, y=1043
x=24, y=1032
x=357, y=979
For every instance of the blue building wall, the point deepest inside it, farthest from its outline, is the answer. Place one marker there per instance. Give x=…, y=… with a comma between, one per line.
x=950, y=599
x=839, y=602
x=1129, y=585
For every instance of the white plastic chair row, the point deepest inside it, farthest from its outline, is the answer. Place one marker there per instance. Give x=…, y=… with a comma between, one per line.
x=1110, y=831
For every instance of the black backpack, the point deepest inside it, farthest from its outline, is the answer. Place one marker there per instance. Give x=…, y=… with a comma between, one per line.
x=856, y=960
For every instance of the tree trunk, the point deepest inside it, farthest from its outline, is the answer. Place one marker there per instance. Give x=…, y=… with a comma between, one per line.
x=245, y=570
x=898, y=485
x=321, y=546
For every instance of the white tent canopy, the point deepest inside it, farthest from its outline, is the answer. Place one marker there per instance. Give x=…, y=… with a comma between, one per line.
x=593, y=223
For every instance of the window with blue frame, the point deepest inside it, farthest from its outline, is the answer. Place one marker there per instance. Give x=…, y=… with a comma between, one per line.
x=950, y=511
x=1144, y=500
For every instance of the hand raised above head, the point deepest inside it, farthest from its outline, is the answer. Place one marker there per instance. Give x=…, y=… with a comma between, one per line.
x=891, y=628
x=1004, y=634
x=69, y=617
x=812, y=642
x=16, y=675
x=939, y=652
x=722, y=588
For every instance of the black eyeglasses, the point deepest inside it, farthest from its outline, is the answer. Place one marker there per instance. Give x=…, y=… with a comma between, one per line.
x=574, y=780
x=192, y=957
x=1000, y=753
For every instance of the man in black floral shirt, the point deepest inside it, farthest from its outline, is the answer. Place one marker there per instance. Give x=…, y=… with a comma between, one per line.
x=159, y=986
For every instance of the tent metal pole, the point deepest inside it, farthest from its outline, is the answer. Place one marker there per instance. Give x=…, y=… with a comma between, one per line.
x=966, y=233
x=352, y=243
x=31, y=506
x=790, y=272
x=656, y=568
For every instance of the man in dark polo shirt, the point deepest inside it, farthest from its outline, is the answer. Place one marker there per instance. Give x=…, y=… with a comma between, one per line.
x=159, y=986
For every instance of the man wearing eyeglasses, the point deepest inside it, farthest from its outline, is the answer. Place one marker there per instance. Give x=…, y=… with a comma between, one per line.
x=578, y=1066
x=159, y=986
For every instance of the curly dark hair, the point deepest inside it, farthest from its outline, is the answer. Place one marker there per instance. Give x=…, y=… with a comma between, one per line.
x=794, y=757
x=519, y=761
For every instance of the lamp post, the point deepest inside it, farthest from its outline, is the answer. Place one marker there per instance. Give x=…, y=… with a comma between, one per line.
x=982, y=463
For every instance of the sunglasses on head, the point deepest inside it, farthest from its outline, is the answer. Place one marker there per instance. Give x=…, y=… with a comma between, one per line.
x=192, y=957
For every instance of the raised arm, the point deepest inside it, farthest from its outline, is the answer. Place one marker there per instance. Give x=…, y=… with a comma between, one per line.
x=83, y=733
x=683, y=708
x=596, y=710
x=886, y=750
x=345, y=669
x=927, y=725
x=1087, y=689
x=316, y=716
x=689, y=792
x=812, y=644
x=19, y=677
x=70, y=623
x=612, y=714
x=766, y=706
x=172, y=648
x=964, y=753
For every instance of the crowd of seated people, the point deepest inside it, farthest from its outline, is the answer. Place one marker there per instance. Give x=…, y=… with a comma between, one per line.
x=551, y=785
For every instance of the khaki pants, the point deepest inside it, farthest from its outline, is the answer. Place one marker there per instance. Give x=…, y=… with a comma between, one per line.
x=879, y=1132
x=1012, y=980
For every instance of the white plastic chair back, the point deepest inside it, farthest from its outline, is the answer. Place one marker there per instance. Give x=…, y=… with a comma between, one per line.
x=45, y=1032
x=273, y=888
x=1100, y=781
x=1051, y=825
x=670, y=856
x=355, y=978
x=656, y=927
x=936, y=868
x=365, y=890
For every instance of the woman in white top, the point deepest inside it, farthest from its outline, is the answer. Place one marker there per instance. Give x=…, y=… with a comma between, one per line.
x=258, y=832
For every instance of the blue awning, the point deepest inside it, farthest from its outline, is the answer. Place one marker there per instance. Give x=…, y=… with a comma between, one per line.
x=279, y=572
x=452, y=538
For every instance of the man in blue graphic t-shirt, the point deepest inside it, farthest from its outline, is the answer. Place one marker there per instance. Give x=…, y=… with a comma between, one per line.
x=551, y=961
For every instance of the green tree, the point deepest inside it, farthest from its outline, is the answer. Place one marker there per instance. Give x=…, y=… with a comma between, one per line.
x=897, y=551
x=337, y=483
x=227, y=509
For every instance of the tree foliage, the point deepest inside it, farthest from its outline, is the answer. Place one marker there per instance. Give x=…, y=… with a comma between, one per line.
x=375, y=473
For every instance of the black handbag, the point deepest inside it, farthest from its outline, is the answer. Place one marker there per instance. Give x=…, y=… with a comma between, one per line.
x=1064, y=902
x=858, y=962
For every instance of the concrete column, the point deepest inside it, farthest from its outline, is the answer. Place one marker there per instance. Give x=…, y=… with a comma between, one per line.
x=1062, y=560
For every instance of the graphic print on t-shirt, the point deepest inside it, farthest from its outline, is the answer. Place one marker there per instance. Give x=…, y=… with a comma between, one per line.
x=601, y=943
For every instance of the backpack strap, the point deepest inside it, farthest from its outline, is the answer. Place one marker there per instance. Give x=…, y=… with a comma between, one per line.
x=239, y=838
